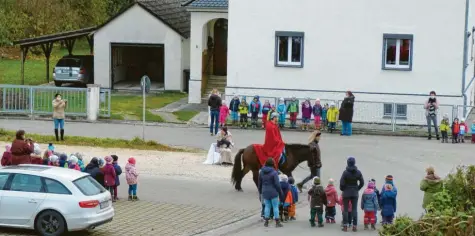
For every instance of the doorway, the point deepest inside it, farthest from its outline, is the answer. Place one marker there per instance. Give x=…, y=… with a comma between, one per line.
x=220, y=56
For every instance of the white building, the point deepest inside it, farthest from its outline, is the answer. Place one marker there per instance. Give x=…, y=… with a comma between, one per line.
x=150, y=37
x=390, y=52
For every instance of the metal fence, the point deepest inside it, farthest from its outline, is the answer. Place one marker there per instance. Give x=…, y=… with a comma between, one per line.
x=390, y=116
x=37, y=100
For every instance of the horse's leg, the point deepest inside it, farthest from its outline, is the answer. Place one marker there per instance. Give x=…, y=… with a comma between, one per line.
x=244, y=172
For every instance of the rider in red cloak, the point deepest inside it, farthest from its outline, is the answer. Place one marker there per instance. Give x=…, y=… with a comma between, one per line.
x=273, y=144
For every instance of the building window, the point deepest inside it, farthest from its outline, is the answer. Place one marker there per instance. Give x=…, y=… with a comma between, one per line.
x=289, y=49
x=401, y=110
x=397, y=52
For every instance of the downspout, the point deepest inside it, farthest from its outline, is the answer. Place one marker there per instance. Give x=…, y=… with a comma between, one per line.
x=465, y=47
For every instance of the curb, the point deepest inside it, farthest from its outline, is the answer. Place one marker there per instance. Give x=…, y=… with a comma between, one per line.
x=240, y=225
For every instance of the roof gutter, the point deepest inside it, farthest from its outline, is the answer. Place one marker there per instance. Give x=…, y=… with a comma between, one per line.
x=466, y=34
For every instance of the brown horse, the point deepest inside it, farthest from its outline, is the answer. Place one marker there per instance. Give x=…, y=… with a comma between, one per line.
x=295, y=154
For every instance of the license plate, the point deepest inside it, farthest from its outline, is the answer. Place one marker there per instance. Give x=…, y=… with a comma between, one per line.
x=104, y=204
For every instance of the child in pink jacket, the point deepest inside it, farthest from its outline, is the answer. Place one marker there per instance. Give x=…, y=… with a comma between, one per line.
x=131, y=177
x=223, y=114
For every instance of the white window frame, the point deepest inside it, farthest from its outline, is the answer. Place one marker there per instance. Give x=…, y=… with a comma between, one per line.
x=398, y=38
x=289, y=62
x=394, y=107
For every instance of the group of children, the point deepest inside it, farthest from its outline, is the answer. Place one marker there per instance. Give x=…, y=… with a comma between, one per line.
x=105, y=170
x=326, y=200
x=372, y=201
x=458, y=129
x=323, y=115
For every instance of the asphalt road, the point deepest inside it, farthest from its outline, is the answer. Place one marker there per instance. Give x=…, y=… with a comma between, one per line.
x=376, y=156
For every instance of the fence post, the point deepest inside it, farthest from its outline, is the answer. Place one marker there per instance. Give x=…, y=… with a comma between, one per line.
x=393, y=117
x=4, y=98
x=32, y=101
x=109, y=103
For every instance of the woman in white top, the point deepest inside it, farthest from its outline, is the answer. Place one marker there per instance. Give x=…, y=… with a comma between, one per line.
x=220, y=151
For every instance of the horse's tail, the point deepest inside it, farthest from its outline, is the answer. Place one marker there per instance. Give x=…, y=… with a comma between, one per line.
x=237, y=168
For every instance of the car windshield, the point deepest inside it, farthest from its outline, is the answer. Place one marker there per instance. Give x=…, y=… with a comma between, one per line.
x=69, y=62
x=89, y=186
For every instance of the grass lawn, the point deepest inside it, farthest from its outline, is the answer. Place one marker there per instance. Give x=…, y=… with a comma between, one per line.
x=185, y=115
x=129, y=107
x=35, y=65
x=136, y=143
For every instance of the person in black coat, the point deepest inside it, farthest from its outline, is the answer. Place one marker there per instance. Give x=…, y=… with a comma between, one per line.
x=346, y=113
x=94, y=170
x=351, y=182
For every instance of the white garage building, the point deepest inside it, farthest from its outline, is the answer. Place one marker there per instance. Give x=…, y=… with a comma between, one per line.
x=150, y=37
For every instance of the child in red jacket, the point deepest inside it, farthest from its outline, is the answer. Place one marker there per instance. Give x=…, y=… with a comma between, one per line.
x=109, y=176
x=332, y=198
x=455, y=130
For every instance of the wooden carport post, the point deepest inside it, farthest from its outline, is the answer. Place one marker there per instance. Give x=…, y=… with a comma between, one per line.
x=90, y=40
x=47, y=48
x=70, y=45
x=24, y=52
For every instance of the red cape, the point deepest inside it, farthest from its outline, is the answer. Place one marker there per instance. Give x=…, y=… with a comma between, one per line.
x=273, y=145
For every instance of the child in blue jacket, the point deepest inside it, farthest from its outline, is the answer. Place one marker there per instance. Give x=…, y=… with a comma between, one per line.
x=282, y=110
x=388, y=204
x=295, y=198
x=234, y=108
x=285, y=186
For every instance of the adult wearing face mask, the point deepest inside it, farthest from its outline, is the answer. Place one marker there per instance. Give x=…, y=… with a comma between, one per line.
x=431, y=106
x=59, y=105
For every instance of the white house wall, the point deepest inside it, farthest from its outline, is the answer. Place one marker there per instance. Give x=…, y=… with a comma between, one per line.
x=138, y=26
x=197, y=45
x=343, y=47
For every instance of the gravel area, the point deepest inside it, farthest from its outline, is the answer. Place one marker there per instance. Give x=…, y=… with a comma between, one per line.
x=155, y=163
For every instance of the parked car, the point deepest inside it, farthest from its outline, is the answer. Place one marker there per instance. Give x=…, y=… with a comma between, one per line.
x=74, y=69
x=52, y=200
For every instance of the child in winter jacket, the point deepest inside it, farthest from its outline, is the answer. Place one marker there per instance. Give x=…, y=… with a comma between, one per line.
x=53, y=160
x=265, y=111
x=234, y=108
x=285, y=199
x=223, y=114
x=324, y=116
x=388, y=204
x=293, y=110
x=370, y=205
x=243, y=111
x=255, y=109
x=463, y=130
x=7, y=156
x=332, y=117
x=80, y=161
x=317, y=111
x=455, y=130
x=444, y=128
x=273, y=109
x=282, y=110
x=473, y=131
x=295, y=198
x=131, y=176
x=332, y=200
x=350, y=209
x=109, y=176
x=378, y=194
x=118, y=171
x=318, y=199
x=73, y=163
x=306, y=113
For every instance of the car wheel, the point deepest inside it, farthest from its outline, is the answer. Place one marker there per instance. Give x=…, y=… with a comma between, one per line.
x=58, y=84
x=50, y=223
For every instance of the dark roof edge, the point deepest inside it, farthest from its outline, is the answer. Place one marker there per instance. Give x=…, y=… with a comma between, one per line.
x=57, y=36
x=147, y=10
x=188, y=2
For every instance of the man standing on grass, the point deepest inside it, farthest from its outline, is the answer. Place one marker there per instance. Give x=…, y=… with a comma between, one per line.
x=214, y=103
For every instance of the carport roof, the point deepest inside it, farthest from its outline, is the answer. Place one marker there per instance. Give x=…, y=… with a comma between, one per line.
x=219, y=4
x=170, y=12
x=55, y=37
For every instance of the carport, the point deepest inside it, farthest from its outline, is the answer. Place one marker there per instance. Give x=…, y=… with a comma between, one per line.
x=47, y=41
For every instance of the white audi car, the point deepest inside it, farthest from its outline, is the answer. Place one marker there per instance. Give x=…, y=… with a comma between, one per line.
x=52, y=200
